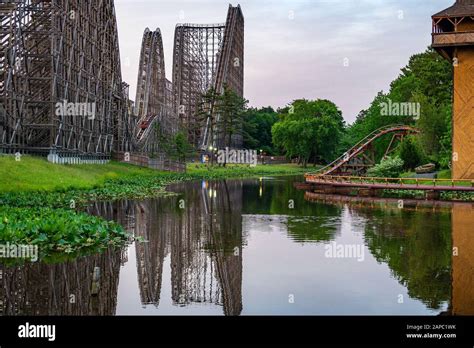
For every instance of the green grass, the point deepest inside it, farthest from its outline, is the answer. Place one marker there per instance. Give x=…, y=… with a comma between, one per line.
x=408, y=175
x=235, y=170
x=37, y=174
x=444, y=174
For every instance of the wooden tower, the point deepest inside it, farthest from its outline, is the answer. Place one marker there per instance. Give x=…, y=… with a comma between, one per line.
x=453, y=37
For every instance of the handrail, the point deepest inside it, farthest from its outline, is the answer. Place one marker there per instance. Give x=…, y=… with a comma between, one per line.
x=453, y=32
x=378, y=180
x=354, y=150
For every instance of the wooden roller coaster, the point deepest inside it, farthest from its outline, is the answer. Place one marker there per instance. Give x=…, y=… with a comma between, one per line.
x=361, y=156
x=346, y=173
x=55, y=52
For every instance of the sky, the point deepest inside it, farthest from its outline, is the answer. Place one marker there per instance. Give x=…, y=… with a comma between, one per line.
x=342, y=50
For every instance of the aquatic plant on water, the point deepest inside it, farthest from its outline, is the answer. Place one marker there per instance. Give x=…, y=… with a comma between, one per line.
x=59, y=231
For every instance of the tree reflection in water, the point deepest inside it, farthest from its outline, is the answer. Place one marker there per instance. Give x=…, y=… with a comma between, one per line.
x=429, y=249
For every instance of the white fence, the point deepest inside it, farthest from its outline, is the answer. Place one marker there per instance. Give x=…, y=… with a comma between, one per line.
x=65, y=158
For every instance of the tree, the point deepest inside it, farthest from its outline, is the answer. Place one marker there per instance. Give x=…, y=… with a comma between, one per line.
x=222, y=115
x=163, y=140
x=206, y=113
x=182, y=146
x=446, y=140
x=306, y=109
x=410, y=153
x=230, y=110
x=257, y=129
x=309, y=130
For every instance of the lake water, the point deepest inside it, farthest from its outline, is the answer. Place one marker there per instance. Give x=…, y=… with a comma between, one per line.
x=261, y=247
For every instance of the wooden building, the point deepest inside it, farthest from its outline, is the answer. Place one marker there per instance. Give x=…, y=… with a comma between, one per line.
x=453, y=38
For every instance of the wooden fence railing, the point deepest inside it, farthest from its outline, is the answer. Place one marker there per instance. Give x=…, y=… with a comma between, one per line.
x=409, y=182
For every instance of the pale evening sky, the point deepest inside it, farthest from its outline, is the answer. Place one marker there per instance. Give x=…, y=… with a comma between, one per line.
x=296, y=49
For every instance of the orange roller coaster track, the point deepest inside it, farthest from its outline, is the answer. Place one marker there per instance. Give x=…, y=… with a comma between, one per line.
x=346, y=172
x=361, y=156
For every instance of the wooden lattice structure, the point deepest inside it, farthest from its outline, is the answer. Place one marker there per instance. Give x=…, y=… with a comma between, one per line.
x=206, y=247
x=68, y=288
x=205, y=57
x=153, y=102
x=453, y=38
x=61, y=51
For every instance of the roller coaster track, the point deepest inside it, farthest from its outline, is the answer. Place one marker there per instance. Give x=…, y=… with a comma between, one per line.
x=229, y=72
x=355, y=161
x=206, y=56
x=153, y=102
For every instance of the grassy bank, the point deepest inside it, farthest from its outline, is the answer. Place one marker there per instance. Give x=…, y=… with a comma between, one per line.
x=36, y=174
x=40, y=183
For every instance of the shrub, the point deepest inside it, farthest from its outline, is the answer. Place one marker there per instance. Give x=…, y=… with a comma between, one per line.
x=388, y=168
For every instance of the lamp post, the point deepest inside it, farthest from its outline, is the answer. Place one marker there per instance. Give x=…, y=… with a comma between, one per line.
x=211, y=155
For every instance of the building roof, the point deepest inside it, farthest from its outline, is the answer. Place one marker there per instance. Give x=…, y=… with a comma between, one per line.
x=461, y=8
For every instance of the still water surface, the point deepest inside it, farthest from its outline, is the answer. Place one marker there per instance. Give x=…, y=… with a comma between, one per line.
x=247, y=247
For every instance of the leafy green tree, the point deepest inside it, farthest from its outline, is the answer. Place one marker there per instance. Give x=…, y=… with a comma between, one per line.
x=432, y=124
x=206, y=112
x=446, y=140
x=308, y=109
x=230, y=109
x=163, y=139
x=428, y=74
x=257, y=129
x=222, y=115
x=410, y=153
x=309, y=130
x=182, y=146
